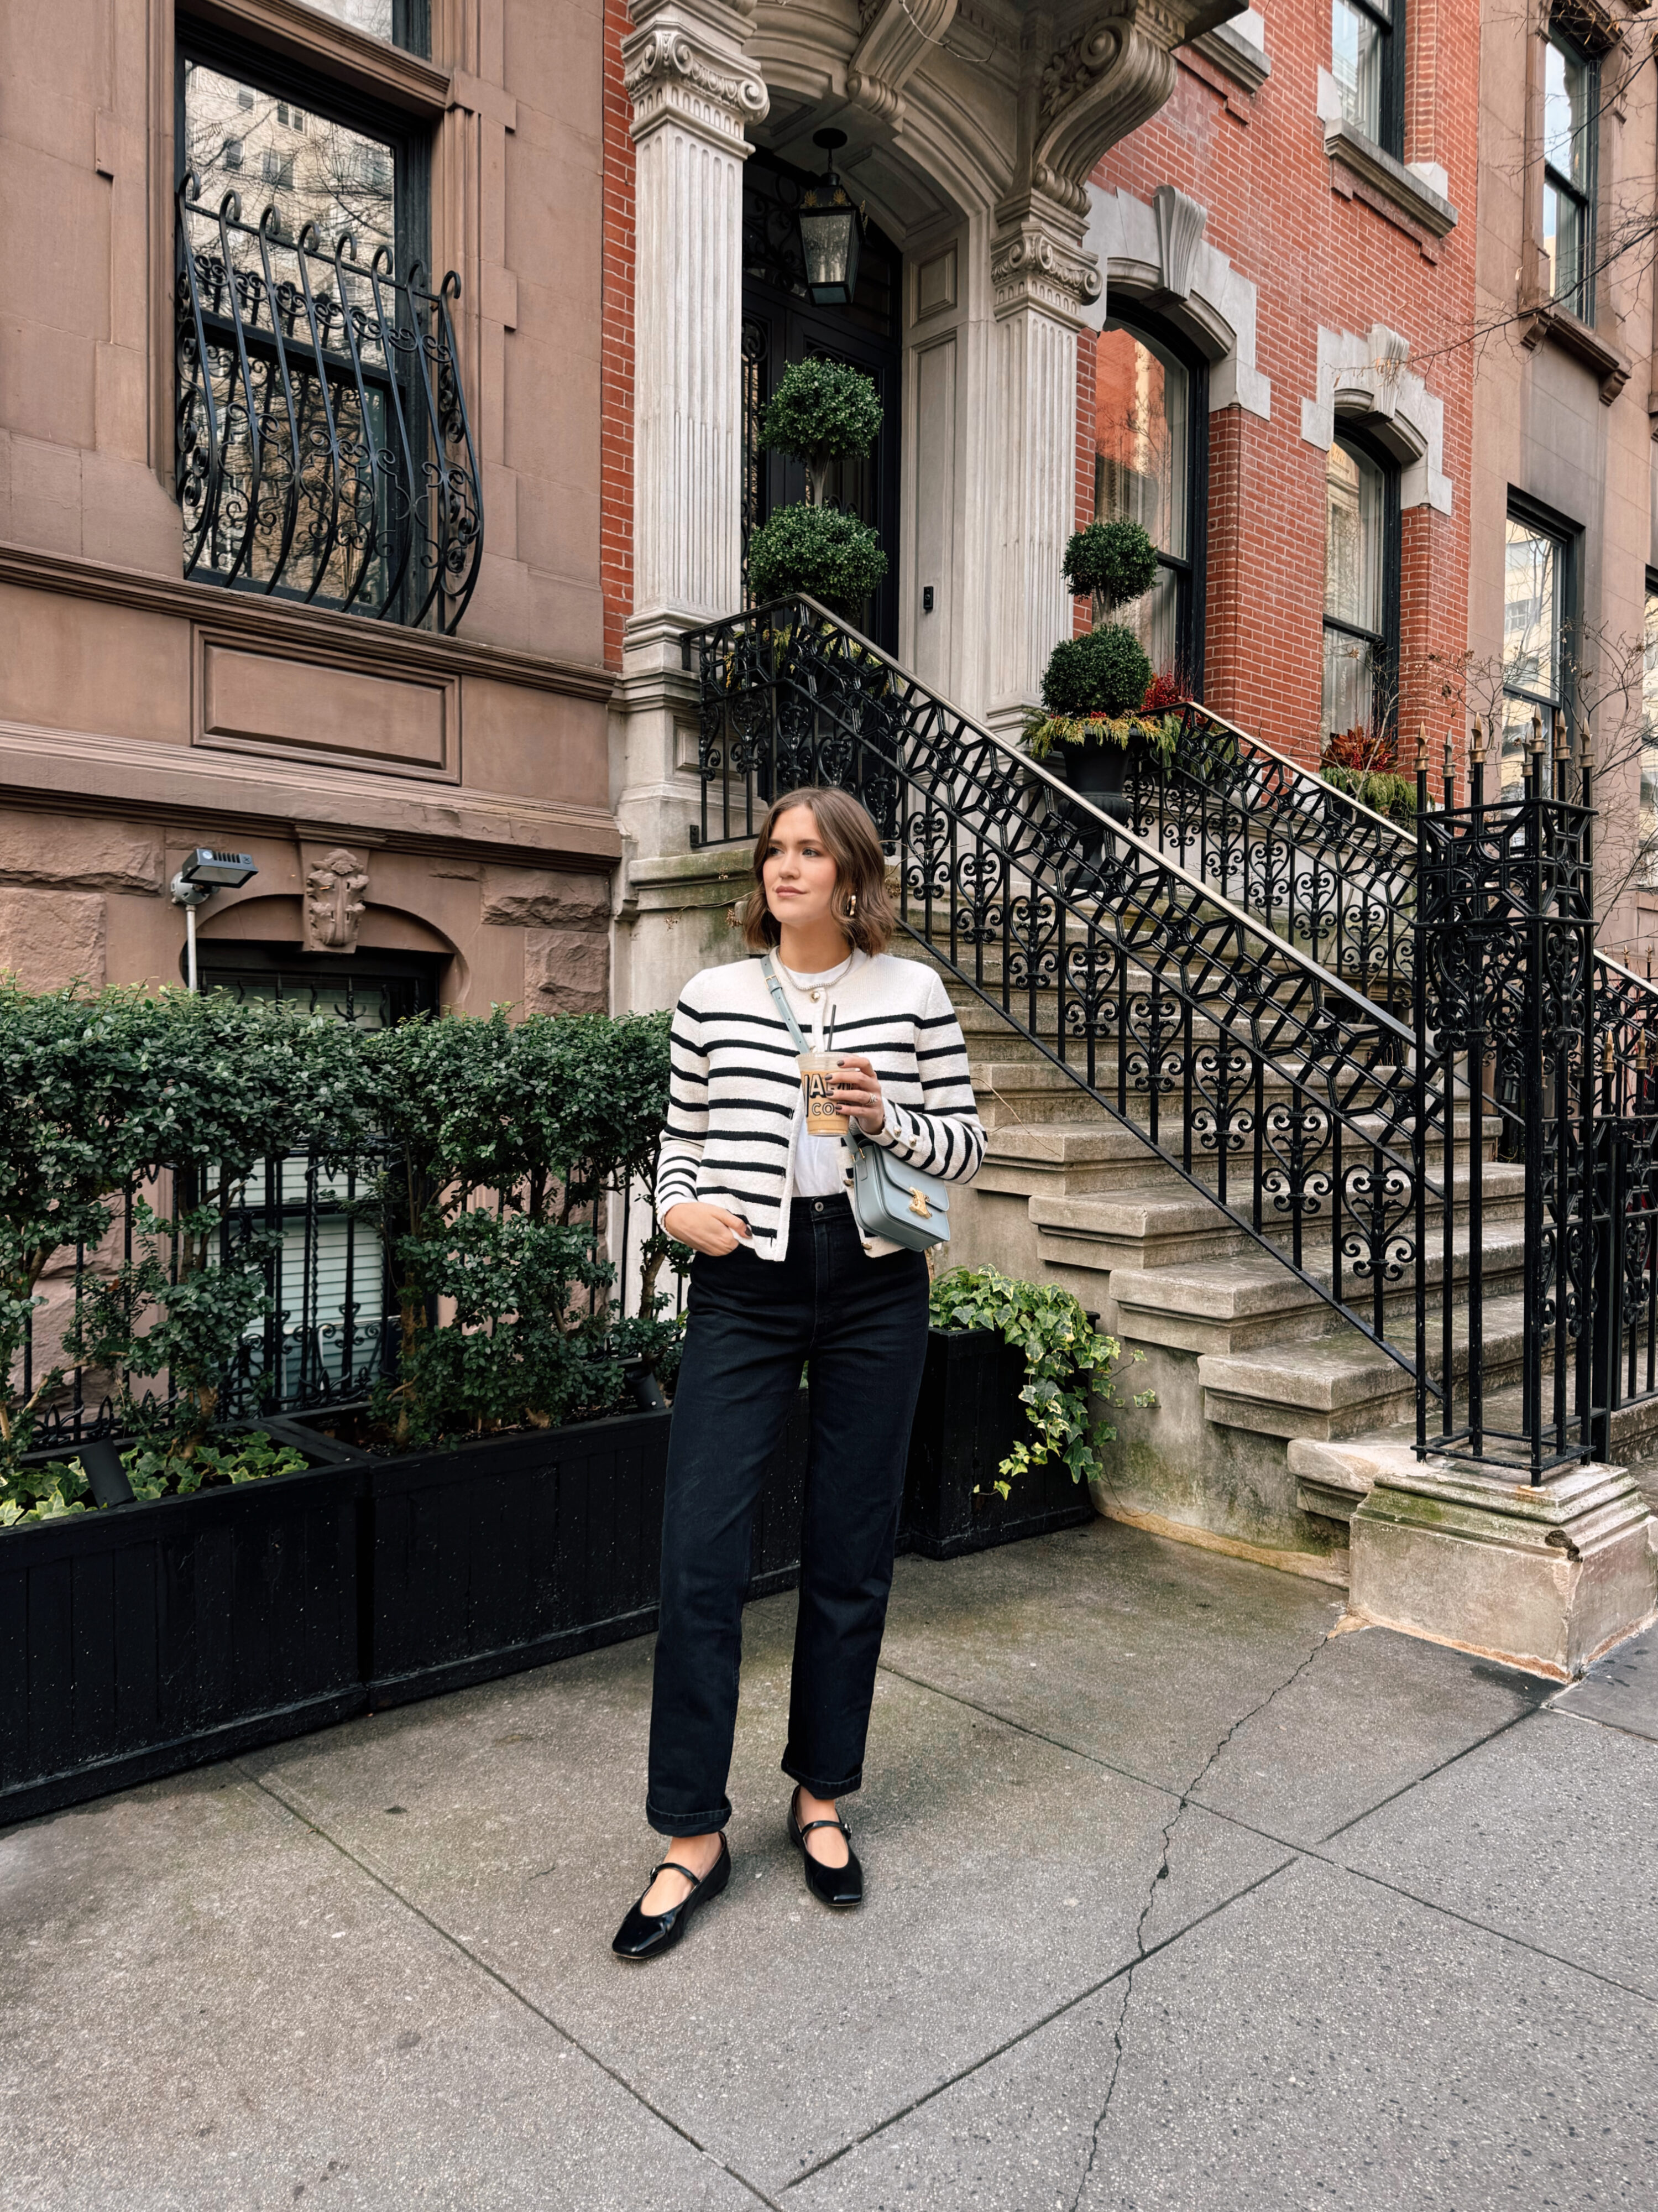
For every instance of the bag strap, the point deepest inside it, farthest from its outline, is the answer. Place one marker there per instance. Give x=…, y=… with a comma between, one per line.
x=783, y=1005
x=860, y=1142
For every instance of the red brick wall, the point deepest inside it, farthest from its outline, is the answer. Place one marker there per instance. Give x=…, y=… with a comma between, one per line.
x=1277, y=208
x=616, y=524
x=1081, y=611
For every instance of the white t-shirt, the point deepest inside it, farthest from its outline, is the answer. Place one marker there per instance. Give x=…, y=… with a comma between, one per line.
x=817, y=1170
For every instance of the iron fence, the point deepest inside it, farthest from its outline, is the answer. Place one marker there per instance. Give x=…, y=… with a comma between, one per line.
x=315, y=1235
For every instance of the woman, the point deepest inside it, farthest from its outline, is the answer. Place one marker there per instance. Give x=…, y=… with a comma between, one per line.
x=783, y=1274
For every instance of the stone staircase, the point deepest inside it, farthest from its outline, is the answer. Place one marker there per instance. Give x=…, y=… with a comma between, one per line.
x=1267, y=1400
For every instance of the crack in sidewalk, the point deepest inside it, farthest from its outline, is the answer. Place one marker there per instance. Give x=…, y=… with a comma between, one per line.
x=1170, y=1825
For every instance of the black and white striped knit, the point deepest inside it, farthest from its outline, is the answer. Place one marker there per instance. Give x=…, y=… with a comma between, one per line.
x=735, y=1111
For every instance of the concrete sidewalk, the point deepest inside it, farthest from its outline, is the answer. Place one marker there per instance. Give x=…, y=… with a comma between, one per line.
x=1176, y=1900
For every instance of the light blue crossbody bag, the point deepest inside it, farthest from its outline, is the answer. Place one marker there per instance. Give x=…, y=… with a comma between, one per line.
x=889, y=1198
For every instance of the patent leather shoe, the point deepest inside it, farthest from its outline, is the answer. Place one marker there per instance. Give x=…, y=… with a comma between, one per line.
x=648, y=1935
x=840, y=1887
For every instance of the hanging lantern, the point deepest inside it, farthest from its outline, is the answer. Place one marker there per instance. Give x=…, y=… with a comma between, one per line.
x=829, y=233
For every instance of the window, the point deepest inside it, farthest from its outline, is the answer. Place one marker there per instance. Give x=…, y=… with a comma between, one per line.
x=1650, y=738
x=319, y=397
x=1151, y=466
x=1367, y=49
x=1571, y=94
x=1536, y=584
x=399, y=22
x=334, y=1318
x=1361, y=591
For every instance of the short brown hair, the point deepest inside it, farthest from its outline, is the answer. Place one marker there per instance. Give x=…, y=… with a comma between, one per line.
x=860, y=870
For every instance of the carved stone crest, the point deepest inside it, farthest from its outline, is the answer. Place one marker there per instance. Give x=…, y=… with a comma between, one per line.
x=334, y=886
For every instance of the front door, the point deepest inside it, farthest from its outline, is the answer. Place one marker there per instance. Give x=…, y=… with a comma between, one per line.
x=781, y=325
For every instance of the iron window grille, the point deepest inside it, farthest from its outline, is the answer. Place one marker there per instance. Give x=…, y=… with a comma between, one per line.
x=1570, y=102
x=324, y=449
x=1367, y=60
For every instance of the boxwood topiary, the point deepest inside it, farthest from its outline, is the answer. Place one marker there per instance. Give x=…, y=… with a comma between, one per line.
x=1112, y=562
x=1103, y=672
x=821, y=411
x=834, y=556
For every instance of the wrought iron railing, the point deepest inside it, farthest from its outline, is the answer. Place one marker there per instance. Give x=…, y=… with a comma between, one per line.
x=1224, y=969
x=1318, y=868
x=324, y=449
x=314, y=1232
x=1224, y=1046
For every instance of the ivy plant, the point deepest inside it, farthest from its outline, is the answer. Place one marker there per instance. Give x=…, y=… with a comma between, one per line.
x=1069, y=1365
x=45, y=1493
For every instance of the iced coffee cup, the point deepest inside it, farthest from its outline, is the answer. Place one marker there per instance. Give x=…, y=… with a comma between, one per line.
x=824, y=1117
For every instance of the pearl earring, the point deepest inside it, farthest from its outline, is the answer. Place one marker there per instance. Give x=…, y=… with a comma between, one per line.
x=852, y=905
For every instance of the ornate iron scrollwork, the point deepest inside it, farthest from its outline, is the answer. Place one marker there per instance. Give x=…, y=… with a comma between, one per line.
x=324, y=450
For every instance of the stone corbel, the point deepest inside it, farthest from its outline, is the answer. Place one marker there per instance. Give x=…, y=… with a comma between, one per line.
x=1095, y=90
x=677, y=68
x=896, y=35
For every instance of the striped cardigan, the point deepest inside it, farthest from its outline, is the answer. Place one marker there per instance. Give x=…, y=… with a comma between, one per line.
x=735, y=1109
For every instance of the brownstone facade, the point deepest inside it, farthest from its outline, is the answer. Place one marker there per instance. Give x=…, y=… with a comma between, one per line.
x=433, y=806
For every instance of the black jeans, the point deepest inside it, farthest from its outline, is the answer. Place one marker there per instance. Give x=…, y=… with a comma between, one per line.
x=861, y=1324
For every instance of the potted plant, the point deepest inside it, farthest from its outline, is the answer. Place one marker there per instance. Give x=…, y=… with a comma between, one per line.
x=1363, y=763
x=822, y=412
x=1093, y=716
x=1008, y=1430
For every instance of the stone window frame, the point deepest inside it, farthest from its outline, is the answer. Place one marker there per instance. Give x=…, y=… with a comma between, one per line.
x=1589, y=28
x=454, y=94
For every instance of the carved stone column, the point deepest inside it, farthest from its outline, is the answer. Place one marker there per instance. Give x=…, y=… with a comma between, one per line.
x=1041, y=284
x=692, y=94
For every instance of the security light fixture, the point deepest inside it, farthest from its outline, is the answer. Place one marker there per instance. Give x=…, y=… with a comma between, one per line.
x=212, y=871
x=828, y=232
x=204, y=871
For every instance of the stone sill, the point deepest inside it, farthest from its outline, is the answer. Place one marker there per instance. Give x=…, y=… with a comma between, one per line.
x=1234, y=56
x=1549, y=319
x=1377, y=168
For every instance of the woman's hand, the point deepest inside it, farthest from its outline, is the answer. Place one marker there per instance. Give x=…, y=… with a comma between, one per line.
x=858, y=1092
x=708, y=1229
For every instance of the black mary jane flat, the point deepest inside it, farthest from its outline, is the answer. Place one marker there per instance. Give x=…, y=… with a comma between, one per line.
x=648, y=1935
x=839, y=1888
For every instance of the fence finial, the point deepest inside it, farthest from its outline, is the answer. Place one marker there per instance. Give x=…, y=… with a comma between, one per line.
x=1476, y=745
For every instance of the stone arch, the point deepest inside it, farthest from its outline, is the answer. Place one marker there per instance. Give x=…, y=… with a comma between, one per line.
x=1155, y=252
x=1366, y=380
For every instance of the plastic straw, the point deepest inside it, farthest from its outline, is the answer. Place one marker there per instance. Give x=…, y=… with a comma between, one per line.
x=828, y=1042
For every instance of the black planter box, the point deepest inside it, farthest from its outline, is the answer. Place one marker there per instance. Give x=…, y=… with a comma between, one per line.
x=157, y=1636
x=513, y=1551
x=966, y=1421
x=150, y=1638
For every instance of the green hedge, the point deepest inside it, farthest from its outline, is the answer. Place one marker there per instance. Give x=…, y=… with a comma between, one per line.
x=482, y=1146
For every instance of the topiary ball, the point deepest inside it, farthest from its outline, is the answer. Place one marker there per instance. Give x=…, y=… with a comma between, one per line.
x=1103, y=672
x=822, y=408
x=834, y=556
x=1117, y=560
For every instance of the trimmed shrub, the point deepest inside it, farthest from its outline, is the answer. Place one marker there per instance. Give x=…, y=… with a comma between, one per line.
x=821, y=411
x=1105, y=672
x=1112, y=562
x=834, y=556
